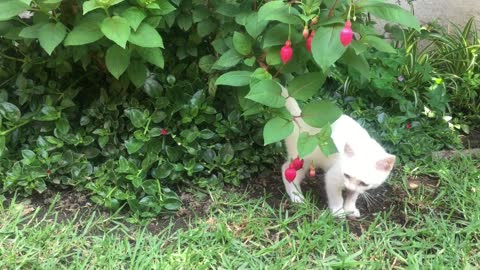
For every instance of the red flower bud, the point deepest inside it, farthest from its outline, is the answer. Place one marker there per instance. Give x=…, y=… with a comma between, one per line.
x=346, y=35
x=286, y=52
x=312, y=172
x=290, y=174
x=408, y=126
x=49, y=172
x=164, y=132
x=297, y=163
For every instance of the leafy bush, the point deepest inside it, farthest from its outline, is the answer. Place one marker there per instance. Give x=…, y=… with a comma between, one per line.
x=91, y=87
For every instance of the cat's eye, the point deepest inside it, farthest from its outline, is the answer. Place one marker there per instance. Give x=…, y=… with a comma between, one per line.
x=363, y=184
x=347, y=176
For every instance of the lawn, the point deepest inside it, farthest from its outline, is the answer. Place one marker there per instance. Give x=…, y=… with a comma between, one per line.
x=425, y=217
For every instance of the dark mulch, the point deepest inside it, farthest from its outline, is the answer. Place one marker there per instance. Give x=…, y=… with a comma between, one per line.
x=472, y=140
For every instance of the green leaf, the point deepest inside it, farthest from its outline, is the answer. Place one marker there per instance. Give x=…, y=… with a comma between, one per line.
x=227, y=60
x=84, y=33
x=254, y=26
x=152, y=55
x=146, y=36
x=90, y=5
x=206, y=62
x=306, y=144
x=62, y=126
x=2, y=145
x=10, y=111
x=357, y=62
x=326, y=46
x=117, y=60
x=134, y=16
x=133, y=145
x=325, y=141
x=277, y=35
x=318, y=114
x=206, y=27
x=273, y=56
x=390, y=12
x=10, y=8
x=305, y=86
x=51, y=35
x=278, y=11
x=31, y=31
x=184, y=22
x=164, y=7
x=137, y=73
x=242, y=43
x=378, y=43
x=117, y=29
x=268, y=93
x=234, y=78
x=276, y=130
x=137, y=117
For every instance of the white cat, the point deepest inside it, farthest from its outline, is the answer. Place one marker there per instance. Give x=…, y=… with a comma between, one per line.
x=360, y=164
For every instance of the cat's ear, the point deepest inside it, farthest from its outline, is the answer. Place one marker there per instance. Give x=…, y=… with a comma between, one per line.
x=386, y=164
x=348, y=150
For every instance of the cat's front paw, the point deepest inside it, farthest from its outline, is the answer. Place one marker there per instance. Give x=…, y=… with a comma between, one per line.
x=339, y=213
x=353, y=212
x=297, y=198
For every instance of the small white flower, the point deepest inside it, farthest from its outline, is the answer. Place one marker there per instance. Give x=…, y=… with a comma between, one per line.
x=25, y=15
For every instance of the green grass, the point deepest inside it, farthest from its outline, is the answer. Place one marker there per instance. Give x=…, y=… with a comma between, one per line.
x=439, y=228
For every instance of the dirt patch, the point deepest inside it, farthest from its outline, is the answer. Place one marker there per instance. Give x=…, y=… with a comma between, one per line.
x=471, y=140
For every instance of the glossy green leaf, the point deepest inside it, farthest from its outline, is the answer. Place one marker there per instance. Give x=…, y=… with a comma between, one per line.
x=318, y=114
x=254, y=26
x=357, y=62
x=10, y=8
x=242, y=43
x=276, y=130
x=227, y=60
x=152, y=55
x=234, y=78
x=390, y=12
x=51, y=35
x=134, y=16
x=378, y=43
x=117, y=29
x=326, y=46
x=306, y=144
x=267, y=92
x=84, y=33
x=305, y=86
x=137, y=73
x=146, y=36
x=117, y=60
x=325, y=141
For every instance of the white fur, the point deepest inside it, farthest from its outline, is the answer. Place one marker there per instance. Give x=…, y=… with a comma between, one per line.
x=361, y=165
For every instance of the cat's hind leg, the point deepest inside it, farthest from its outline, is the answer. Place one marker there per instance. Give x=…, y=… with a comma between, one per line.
x=293, y=188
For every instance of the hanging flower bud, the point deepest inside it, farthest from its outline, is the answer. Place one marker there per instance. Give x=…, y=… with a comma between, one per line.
x=297, y=163
x=312, y=170
x=290, y=173
x=305, y=32
x=286, y=52
x=346, y=34
x=314, y=20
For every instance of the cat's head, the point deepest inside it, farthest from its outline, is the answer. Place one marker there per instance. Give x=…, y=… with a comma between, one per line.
x=366, y=168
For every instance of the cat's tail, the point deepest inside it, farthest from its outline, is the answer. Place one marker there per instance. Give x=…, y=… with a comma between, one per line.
x=291, y=104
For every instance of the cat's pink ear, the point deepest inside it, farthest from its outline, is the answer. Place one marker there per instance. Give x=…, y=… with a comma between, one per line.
x=348, y=150
x=386, y=164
